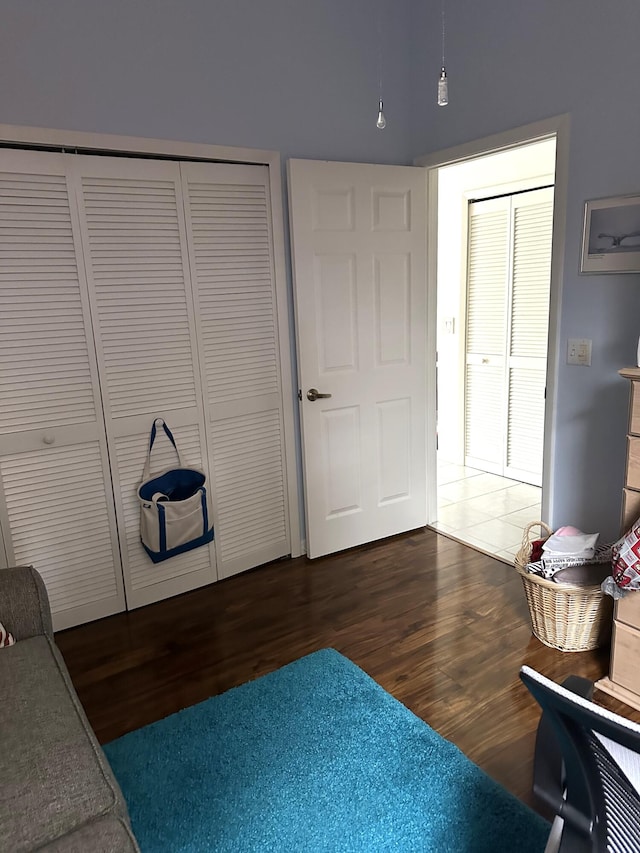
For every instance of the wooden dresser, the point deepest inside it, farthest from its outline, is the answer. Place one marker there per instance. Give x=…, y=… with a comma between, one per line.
x=624, y=675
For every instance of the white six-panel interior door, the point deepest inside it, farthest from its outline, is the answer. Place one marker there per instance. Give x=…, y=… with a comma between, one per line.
x=359, y=256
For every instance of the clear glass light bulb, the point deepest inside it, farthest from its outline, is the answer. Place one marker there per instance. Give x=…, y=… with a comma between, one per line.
x=443, y=88
x=381, y=122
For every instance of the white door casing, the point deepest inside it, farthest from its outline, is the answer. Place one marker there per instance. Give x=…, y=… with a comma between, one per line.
x=359, y=257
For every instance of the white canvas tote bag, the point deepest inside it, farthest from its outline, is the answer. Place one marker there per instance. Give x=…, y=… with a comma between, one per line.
x=174, y=512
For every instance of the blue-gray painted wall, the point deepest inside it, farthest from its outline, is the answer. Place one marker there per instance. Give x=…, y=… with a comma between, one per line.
x=296, y=76
x=301, y=77
x=512, y=63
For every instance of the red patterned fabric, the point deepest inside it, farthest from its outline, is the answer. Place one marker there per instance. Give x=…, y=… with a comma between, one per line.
x=536, y=550
x=626, y=559
x=6, y=639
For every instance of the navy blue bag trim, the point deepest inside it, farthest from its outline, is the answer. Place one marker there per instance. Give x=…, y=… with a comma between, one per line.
x=159, y=556
x=168, y=432
x=162, y=521
x=205, y=514
x=163, y=554
x=178, y=484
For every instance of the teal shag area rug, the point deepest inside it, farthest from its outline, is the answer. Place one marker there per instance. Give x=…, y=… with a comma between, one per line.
x=313, y=758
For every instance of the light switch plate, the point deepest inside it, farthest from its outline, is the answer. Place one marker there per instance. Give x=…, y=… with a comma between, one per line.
x=579, y=351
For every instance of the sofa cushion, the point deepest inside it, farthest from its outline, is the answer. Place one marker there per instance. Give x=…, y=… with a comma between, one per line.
x=24, y=603
x=55, y=777
x=6, y=637
x=107, y=835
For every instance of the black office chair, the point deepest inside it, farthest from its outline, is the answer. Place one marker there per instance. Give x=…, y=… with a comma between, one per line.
x=587, y=769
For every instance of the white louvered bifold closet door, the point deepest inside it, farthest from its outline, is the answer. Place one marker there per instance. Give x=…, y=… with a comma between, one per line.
x=133, y=231
x=56, y=510
x=231, y=256
x=508, y=287
x=531, y=279
x=487, y=294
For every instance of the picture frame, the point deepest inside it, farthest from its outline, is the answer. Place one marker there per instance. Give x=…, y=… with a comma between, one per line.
x=611, y=235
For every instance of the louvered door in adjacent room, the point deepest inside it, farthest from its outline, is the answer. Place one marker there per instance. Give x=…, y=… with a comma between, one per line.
x=56, y=509
x=135, y=251
x=231, y=256
x=528, y=334
x=508, y=286
x=487, y=293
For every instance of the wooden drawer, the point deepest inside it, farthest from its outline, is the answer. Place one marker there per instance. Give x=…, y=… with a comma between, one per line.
x=628, y=610
x=625, y=657
x=630, y=509
x=634, y=413
x=633, y=462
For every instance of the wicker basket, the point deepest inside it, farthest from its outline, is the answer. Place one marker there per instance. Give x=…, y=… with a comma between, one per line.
x=563, y=616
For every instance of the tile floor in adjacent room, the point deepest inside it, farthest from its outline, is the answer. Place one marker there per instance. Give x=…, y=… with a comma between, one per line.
x=483, y=510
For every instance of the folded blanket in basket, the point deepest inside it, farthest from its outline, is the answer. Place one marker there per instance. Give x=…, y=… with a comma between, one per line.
x=576, y=545
x=550, y=564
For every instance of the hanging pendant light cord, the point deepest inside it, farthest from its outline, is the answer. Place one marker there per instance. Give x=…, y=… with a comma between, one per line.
x=380, y=49
x=381, y=121
x=443, y=86
x=442, y=8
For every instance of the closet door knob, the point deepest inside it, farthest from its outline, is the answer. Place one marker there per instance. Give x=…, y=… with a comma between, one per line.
x=49, y=439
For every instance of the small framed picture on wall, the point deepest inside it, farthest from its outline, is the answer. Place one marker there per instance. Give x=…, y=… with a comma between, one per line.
x=611, y=235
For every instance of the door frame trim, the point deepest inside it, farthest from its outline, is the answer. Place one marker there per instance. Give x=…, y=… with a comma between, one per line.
x=105, y=143
x=558, y=126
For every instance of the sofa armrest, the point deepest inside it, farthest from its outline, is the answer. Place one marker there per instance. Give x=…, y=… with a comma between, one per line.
x=24, y=603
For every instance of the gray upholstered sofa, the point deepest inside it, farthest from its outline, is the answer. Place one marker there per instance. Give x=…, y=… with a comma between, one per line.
x=57, y=792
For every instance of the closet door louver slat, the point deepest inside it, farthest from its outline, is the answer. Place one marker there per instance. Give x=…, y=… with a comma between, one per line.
x=487, y=282
x=526, y=424
x=38, y=319
x=249, y=486
x=63, y=529
x=484, y=391
x=532, y=239
x=137, y=268
x=531, y=274
x=231, y=309
x=130, y=310
x=231, y=259
x=55, y=510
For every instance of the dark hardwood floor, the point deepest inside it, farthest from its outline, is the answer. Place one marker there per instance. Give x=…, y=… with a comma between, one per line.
x=440, y=626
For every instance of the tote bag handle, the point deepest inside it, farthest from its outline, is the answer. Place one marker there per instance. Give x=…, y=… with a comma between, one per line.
x=147, y=465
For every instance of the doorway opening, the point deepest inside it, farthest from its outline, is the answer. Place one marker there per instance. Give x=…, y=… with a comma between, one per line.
x=495, y=220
